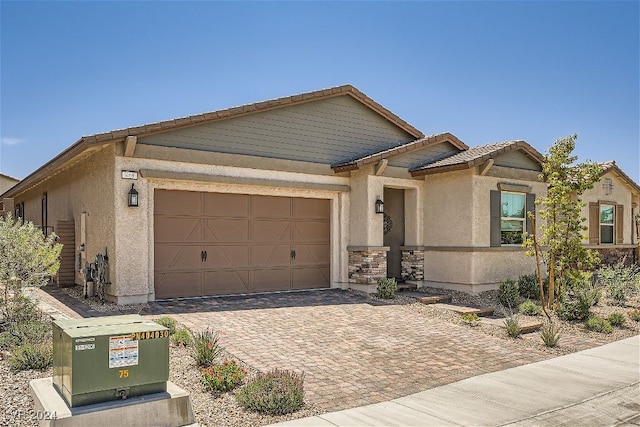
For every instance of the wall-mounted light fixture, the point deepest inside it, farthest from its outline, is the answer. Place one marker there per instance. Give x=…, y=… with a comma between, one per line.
x=132, y=197
x=379, y=206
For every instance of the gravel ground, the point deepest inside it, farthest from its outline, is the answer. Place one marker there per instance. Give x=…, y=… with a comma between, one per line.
x=222, y=410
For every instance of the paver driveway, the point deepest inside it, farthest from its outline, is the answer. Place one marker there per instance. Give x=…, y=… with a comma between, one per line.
x=353, y=351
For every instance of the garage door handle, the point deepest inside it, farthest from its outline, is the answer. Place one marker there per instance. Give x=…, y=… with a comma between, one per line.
x=293, y=255
x=202, y=256
x=205, y=256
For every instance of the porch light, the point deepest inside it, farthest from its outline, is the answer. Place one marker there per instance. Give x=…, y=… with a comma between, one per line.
x=132, y=197
x=379, y=206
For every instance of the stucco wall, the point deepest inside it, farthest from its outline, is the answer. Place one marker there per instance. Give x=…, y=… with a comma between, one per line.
x=6, y=182
x=87, y=187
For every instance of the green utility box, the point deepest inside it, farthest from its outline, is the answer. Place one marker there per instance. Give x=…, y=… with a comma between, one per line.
x=109, y=358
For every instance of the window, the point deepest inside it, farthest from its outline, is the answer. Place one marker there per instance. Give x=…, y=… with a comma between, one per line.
x=512, y=218
x=607, y=223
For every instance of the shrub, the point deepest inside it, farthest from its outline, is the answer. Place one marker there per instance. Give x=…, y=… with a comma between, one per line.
x=550, y=335
x=530, y=308
x=21, y=309
x=528, y=286
x=275, y=392
x=616, y=319
x=508, y=293
x=598, y=324
x=386, y=288
x=9, y=339
x=168, y=323
x=571, y=310
x=583, y=294
x=23, y=333
x=620, y=282
x=223, y=377
x=512, y=326
x=634, y=315
x=181, y=338
x=31, y=356
x=205, y=347
x=471, y=318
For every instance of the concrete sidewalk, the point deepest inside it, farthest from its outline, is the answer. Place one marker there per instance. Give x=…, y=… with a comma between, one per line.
x=595, y=387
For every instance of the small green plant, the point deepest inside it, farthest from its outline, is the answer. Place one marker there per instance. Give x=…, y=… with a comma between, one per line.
x=31, y=356
x=224, y=377
x=616, y=319
x=512, y=326
x=619, y=281
x=530, y=308
x=205, y=347
x=168, y=323
x=598, y=324
x=550, y=335
x=386, y=288
x=634, y=315
x=181, y=337
x=275, y=392
x=470, y=318
x=571, y=310
x=508, y=293
x=528, y=286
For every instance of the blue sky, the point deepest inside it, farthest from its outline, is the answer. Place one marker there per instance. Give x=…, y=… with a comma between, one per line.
x=485, y=71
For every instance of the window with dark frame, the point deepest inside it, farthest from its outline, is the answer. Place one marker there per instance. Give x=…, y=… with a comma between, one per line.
x=513, y=218
x=607, y=223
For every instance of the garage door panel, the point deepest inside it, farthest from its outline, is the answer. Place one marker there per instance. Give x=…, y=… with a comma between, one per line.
x=311, y=208
x=173, y=285
x=227, y=256
x=270, y=231
x=177, y=257
x=168, y=202
x=311, y=254
x=270, y=207
x=271, y=280
x=226, y=205
x=226, y=282
x=270, y=255
x=177, y=229
x=311, y=278
x=309, y=231
x=227, y=230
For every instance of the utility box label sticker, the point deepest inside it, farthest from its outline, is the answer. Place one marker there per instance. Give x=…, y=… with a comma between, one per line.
x=123, y=351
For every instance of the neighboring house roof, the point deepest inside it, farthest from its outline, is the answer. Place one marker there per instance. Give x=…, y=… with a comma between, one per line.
x=475, y=156
x=10, y=178
x=400, y=149
x=610, y=166
x=93, y=142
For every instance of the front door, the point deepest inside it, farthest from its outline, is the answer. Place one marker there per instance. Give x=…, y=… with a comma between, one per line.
x=393, y=229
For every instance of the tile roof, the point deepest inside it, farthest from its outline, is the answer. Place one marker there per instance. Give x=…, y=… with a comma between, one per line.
x=611, y=166
x=474, y=156
x=418, y=144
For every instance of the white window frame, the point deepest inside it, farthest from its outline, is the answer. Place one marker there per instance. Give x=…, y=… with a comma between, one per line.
x=523, y=219
x=603, y=224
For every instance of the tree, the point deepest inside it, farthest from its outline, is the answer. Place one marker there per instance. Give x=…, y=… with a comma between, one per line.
x=559, y=245
x=27, y=257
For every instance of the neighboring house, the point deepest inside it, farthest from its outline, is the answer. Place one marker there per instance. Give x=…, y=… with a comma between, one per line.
x=613, y=212
x=285, y=194
x=6, y=182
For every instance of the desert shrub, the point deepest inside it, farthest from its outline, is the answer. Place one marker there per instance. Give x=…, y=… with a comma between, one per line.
x=9, y=339
x=224, y=377
x=275, y=392
x=598, y=324
x=528, y=286
x=205, y=347
x=471, y=318
x=168, y=323
x=619, y=281
x=530, y=308
x=508, y=293
x=23, y=333
x=21, y=309
x=31, y=356
x=386, y=288
x=181, y=337
x=512, y=326
x=634, y=315
x=571, y=310
x=550, y=335
x=616, y=319
x=582, y=294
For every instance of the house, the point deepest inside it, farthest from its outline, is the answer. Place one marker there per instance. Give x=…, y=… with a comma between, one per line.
x=6, y=182
x=317, y=190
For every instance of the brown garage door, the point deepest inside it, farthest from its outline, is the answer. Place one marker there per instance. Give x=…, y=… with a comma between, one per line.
x=215, y=243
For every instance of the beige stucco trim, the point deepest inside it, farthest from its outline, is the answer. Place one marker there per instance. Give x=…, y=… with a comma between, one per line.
x=368, y=248
x=518, y=188
x=223, y=179
x=505, y=248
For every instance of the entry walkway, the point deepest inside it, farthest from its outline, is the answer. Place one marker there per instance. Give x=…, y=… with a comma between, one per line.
x=595, y=387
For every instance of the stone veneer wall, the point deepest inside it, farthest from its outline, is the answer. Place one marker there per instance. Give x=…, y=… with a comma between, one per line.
x=367, y=265
x=412, y=264
x=610, y=256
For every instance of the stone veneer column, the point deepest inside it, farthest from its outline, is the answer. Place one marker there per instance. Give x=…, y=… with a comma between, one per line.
x=412, y=263
x=367, y=264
